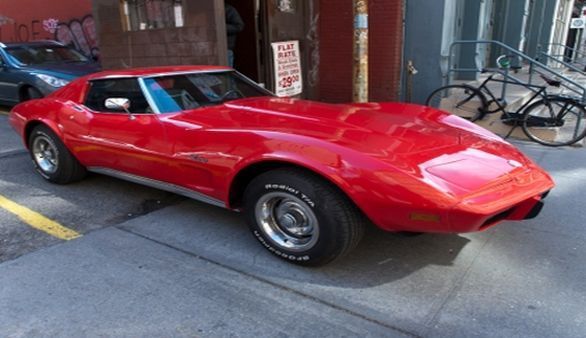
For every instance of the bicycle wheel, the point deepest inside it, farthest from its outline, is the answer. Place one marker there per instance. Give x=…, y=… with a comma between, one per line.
x=461, y=100
x=555, y=121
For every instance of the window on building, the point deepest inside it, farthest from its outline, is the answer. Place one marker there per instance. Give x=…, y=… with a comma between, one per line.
x=140, y=15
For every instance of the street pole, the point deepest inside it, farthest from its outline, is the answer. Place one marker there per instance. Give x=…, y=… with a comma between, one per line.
x=360, y=64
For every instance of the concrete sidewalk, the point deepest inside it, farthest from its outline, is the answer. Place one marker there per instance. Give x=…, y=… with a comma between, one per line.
x=194, y=270
x=112, y=283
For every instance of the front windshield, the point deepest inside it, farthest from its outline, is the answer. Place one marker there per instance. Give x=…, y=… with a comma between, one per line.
x=37, y=55
x=174, y=93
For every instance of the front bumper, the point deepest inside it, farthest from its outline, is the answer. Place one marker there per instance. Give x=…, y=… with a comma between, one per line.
x=519, y=198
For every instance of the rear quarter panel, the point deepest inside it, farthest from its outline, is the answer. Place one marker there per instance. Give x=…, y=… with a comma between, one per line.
x=66, y=119
x=53, y=111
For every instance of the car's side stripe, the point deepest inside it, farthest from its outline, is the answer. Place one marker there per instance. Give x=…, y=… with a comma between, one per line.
x=158, y=185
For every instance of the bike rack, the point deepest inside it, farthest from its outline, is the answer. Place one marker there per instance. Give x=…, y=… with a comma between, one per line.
x=534, y=66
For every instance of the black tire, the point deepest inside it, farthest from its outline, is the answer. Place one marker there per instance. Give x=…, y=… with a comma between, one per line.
x=555, y=121
x=52, y=160
x=302, y=218
x=464, y=101
x=32, y=93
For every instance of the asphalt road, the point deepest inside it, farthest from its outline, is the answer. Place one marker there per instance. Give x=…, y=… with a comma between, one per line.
x=95, y=203
x=150, y=263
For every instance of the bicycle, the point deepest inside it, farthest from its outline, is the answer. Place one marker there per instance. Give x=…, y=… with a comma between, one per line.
x=551, y=120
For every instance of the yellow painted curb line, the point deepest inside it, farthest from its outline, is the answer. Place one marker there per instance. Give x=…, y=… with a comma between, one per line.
x=38, y=221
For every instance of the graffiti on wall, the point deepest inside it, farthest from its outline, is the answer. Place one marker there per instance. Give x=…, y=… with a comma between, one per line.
x=4, y=20
x=50, y=25
x=13, y=31
x=78, y=33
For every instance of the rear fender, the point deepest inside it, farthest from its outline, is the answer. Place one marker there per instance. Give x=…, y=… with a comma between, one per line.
x=34, y=123
x=27, y=115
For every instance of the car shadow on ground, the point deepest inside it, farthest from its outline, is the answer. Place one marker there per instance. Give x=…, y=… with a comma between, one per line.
x=379, y=259
x=383, y=257
x=222, y=237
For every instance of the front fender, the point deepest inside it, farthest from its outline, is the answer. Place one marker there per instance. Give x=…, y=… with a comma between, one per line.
x=333, y=162
x=384, y=194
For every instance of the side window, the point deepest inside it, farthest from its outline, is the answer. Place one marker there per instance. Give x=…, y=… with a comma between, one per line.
x=100, y=90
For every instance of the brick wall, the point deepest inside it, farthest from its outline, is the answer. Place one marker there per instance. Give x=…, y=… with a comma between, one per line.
x=385, y=45
x=67, y=21
x=335, y=35
x=195, y=43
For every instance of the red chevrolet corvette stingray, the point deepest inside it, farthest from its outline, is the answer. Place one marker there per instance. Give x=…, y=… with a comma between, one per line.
x=308, y=176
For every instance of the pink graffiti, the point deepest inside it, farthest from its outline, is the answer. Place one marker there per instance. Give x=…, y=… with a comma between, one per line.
x=4, y=20
x=79, y=34
x=50, y=25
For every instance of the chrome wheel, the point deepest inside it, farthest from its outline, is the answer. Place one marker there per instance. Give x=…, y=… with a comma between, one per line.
x=300, y=217
x=288, y=221
x=45, y=154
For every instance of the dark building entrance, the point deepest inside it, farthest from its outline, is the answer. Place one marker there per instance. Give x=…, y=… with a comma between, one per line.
x=268, y=21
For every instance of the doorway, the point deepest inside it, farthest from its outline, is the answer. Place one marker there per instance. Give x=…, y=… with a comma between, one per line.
x=268, y=21
x=248, y=58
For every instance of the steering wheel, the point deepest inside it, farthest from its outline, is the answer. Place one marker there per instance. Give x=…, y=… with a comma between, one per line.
x=233, y=94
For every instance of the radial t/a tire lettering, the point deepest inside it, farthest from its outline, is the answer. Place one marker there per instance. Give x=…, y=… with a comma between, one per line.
x=52, y=160
x=302, y=218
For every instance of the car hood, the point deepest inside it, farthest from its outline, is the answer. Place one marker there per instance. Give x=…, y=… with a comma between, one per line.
x=67, y=71
x=374, y=128
x=419, y=140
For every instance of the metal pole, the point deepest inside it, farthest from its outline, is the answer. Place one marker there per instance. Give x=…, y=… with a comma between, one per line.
x=360, y=65
x=578, y=42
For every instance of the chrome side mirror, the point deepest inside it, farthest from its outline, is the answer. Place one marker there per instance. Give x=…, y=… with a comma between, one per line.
x=118, y=103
